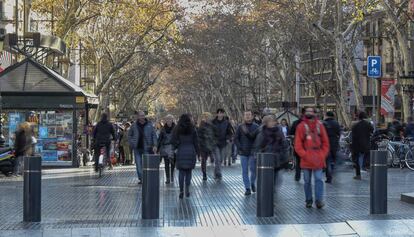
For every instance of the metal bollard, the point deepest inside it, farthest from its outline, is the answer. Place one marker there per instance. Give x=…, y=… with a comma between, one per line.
x=265, y=184
x=32, y=189
x=151, y=187
x=378, y=182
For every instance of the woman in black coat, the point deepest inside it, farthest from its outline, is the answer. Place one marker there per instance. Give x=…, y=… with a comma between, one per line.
x=184, y=139
x=272, y=140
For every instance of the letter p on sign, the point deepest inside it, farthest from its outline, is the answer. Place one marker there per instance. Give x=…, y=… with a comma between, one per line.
x=374, y=67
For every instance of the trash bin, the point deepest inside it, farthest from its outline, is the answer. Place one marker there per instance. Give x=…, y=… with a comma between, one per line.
x=32, y=189
x=151, y=187
x=378, y=182
x=265, y=184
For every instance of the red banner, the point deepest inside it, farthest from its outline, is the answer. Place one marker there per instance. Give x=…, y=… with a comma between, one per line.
x=388, y=93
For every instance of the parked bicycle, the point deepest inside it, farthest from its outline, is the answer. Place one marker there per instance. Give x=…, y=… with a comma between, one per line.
x=399, y=151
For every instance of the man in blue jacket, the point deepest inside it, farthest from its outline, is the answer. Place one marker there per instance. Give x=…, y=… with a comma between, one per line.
x=142, y=138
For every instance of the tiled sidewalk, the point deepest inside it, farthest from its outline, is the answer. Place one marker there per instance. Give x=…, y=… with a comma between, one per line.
x=75, y=198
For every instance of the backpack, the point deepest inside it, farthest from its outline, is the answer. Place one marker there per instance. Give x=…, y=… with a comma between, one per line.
x=308, y=132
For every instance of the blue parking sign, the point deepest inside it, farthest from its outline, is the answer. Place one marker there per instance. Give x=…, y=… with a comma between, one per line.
x=374, y=66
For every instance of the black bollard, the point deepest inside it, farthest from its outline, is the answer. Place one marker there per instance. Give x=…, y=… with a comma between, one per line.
x=151, y=187
x=378, y=186
x=32, y=189
x=265, y=184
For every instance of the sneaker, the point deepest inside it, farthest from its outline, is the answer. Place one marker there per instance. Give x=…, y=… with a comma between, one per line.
x=187, y=194
x=167, y=182
x=319, y=204
x=181, y=195
x=248, y=192
x=297, y=178
x=139, y=181
x=309, y=204
x=328, y=181
x=253, y=188
x=204, y=177
x=357, y=177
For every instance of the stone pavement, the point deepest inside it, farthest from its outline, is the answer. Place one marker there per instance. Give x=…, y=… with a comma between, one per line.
x=344, y=229
x=76, y=200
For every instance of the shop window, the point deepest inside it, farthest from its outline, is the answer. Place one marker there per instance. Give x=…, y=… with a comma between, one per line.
x=53, y=131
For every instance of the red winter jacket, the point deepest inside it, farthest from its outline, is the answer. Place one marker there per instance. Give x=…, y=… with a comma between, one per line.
x=312, y=148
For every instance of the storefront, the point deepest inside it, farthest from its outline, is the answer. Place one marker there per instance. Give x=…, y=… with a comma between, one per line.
x=53, y=105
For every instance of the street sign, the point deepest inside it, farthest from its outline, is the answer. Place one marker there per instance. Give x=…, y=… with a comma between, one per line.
x=374, y=66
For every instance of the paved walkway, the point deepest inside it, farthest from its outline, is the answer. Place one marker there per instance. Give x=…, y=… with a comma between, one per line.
x=76, y=198
x=373, y=228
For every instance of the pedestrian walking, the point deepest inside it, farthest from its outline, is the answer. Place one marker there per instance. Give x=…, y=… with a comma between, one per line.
x=244, y=140
x=270, y=139
x=165, y=148
x=225, y=134
x=103, y=133
x=409, y=129
x=185, y=140
x=312, y=146
x=334, y=133
x=142, y=139
x=207, y=140
x=22, y=146
x=292, y=133
x=361, y=143
x=285, y=127
x=125, y=145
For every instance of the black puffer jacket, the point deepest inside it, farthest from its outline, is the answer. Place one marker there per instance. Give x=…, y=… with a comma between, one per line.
x=244, y=139
x=207, y=137
x=103, y=132
x=187, y=149
x=224, y=131
x=334, y=133
x=361, y=136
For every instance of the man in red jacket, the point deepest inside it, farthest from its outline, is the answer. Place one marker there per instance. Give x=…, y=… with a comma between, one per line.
x=312, y=146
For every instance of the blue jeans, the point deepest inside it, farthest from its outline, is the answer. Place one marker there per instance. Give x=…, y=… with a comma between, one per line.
x=138, y=162
x=317, y=175
x=246, y=162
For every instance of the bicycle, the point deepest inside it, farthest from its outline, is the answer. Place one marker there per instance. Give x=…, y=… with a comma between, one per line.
x=103, y=159
x=399, y=153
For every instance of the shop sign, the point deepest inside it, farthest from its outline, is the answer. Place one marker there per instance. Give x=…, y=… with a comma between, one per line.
x=80, y=99
x=63, y=106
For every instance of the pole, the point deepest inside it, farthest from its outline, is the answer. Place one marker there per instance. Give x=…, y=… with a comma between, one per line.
x=265, y=184
x=297, y=82
x=32, y=189
x=374, y=113
x=151, y=187
x=378, y=182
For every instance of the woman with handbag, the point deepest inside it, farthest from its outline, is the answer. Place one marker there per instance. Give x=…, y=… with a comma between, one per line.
x=165, y=148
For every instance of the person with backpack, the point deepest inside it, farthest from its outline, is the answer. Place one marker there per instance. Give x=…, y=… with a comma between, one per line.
x=334, y=133
x=361, y=143
x=292, y=132
x=244, y=141
x=165, y=148
x=312, y=146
